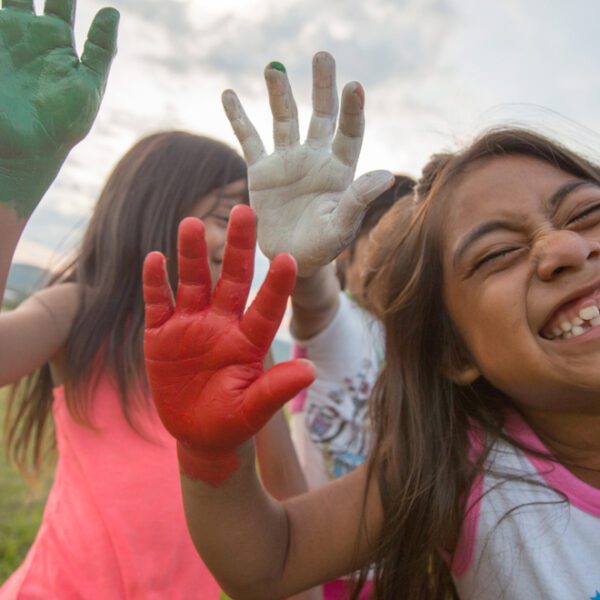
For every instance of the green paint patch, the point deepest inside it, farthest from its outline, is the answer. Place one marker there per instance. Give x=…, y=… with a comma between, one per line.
x=278, y=66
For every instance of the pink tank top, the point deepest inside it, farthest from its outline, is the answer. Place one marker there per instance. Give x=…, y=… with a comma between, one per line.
x=113, y=526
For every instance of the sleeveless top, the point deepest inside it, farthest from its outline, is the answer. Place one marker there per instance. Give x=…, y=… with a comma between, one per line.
x=532, y=528
x=113, y=525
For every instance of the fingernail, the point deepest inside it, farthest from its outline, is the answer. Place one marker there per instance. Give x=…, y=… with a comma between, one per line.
x=278, y=66
x=360, y=92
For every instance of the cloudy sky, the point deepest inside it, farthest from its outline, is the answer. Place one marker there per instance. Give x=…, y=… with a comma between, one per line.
x=435, y=73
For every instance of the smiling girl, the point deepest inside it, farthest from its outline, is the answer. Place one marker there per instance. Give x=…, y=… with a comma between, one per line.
x=484, y=481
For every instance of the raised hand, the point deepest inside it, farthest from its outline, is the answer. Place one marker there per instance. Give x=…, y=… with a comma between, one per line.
x=303, y=194
x=48, y=97
x=204, y=355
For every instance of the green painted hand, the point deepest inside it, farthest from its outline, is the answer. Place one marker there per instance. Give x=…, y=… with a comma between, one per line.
x=48, y=97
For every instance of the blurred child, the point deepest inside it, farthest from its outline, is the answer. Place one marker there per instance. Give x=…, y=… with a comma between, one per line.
x=86, y=370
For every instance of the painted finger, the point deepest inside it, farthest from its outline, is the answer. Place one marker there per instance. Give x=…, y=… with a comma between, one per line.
x=193, y=290
x=101, y=46
x=283, y=106
x=63, y=9
x=158, y=297
x=348, y=139
x=245, y=132
x=23, y=5
x=274, y=388
x=325, y=101
x=231, y=291
x=348, y=214
x=263, y=318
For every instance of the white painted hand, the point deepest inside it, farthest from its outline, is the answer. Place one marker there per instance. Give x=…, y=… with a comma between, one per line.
x=304, y=195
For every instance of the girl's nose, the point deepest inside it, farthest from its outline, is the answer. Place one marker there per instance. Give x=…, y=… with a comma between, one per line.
x=561, y=251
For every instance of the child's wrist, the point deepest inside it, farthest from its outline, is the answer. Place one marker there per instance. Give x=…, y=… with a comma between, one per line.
x=307, y=271
x=210, y=465
x=24, y=181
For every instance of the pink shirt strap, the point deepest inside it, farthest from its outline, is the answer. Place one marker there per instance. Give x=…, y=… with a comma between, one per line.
x=463, y=554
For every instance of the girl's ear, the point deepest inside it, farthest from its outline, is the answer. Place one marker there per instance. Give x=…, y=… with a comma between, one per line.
x=465, y=374
x=460, y=369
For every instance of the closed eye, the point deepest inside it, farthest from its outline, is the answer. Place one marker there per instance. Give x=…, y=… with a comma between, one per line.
x=586, y=213
x=222, y=220
x=491, y=257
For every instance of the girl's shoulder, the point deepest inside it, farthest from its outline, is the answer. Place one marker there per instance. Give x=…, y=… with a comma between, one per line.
x=53, y=308
x=526, y=514
x=57, y=300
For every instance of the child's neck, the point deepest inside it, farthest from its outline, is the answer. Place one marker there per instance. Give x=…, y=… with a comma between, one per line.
x=573, y=438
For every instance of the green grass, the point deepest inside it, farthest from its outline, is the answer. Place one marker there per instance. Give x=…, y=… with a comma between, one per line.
x=21, y=508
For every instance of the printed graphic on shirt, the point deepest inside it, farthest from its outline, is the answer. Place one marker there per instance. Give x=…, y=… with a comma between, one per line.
x=340, y=424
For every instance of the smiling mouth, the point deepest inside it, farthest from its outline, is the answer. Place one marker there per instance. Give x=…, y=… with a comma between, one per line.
x=574, y=318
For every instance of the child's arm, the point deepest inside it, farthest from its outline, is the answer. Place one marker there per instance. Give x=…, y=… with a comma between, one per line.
x=33, y=333
x=48, y=102
x=279, y=467
x=204, y=361
x=315, y=302
x=258, y=548
x=304, y=195
x=278, y=464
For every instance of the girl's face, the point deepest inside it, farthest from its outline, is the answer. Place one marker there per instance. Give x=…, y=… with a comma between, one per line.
x=214, y=209
x=521, y=254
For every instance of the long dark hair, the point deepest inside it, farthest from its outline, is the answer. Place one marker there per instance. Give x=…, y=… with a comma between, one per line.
x=422, y=419
x=403, y=186
x=155, y=185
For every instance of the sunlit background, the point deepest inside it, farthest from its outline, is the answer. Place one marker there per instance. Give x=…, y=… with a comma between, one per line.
x=435, y=73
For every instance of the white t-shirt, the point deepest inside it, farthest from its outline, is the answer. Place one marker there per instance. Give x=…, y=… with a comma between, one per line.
x=331, y=432
x=523, y=540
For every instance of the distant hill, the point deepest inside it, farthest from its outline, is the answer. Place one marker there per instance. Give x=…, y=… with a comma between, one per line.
x=23, y=280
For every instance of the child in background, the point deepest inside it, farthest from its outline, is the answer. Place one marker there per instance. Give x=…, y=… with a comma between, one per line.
x=86, y=370
x=329, y=420
x=87, y=374
x=484, y=480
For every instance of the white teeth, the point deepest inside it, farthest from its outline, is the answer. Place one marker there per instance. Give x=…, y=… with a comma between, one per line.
x=589, y=315
x=589, y=312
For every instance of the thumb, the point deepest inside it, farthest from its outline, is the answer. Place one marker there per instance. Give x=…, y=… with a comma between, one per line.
x=355, y=200
x=274, y=388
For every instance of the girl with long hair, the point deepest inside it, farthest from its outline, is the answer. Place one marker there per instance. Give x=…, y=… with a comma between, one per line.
x=484, y=479
x=77, y=344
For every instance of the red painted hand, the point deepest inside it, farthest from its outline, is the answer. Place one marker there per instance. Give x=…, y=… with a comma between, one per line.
x=204, y=355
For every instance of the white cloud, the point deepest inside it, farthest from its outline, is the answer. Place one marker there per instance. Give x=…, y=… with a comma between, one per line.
x=434, y=71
